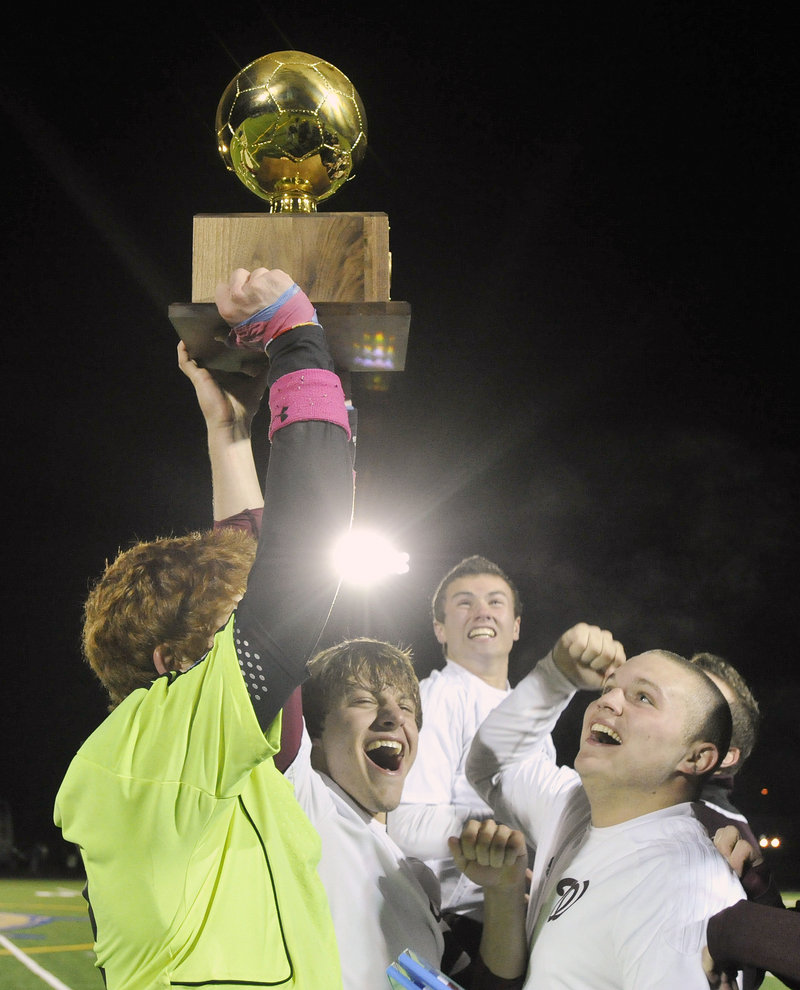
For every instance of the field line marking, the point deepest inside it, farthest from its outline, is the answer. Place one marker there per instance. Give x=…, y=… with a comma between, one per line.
x=35, y=968
x=39, y=949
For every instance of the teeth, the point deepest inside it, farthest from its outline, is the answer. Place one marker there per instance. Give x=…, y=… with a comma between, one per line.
x=484, y=632
x=379, y=743
x=599, y=728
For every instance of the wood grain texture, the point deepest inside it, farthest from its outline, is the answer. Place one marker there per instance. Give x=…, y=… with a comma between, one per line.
x=334, y=257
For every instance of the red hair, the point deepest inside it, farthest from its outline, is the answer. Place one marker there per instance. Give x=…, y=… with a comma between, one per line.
x=173, y=592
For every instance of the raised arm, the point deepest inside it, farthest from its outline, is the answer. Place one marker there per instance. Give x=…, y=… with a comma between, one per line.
x=228, y=403
x=511, y=735
x=309, y=484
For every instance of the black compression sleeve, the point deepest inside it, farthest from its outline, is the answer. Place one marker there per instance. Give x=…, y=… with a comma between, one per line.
x=308, y=502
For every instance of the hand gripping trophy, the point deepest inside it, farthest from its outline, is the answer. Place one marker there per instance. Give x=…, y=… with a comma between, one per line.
x=293, y=129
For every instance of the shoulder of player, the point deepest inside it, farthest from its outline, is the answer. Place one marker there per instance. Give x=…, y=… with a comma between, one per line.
x=443, y=687
x=682, y=857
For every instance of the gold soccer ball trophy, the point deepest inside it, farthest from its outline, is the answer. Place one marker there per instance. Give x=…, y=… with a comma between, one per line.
x=292, y=127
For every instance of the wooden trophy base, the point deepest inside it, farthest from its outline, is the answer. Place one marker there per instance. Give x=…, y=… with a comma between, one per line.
x=370, y=337
x=340, y=260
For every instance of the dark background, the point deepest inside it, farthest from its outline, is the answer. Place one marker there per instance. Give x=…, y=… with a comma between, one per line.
x=592, y=212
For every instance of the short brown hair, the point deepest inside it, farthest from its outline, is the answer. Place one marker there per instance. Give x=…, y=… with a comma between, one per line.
x=369, y=663
x=709, y=717
x=745, y=712
x=170, y=591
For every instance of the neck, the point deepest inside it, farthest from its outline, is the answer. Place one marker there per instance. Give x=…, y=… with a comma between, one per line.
x=319, y=765
x=492, y=670
x=614, y=807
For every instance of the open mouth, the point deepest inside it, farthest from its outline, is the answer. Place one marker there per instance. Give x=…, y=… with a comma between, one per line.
x=481, y=632
x=604, y=735
x=385, y=754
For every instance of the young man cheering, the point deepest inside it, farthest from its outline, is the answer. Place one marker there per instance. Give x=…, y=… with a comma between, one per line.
x=625, y=878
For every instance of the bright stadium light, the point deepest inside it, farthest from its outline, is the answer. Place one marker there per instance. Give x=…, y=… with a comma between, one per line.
x=365, y=557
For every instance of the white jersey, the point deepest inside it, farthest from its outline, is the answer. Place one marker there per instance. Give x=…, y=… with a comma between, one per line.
x=617, y=908
x=437, y=797
x=382, y=902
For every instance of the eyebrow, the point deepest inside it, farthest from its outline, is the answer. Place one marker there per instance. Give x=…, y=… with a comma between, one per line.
x=489, y=594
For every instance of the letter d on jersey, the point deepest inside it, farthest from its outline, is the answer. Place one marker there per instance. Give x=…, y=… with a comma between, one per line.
x=570, y=891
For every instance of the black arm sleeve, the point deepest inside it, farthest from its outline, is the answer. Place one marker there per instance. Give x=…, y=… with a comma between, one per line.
x=308, y=499
x=749, y=934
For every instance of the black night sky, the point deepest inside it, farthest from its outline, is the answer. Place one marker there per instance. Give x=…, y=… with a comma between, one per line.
x=591, y=216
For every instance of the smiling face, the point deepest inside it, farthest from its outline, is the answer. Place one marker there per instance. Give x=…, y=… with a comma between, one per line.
x=640, y=749
x=368, y=744
x=478, y=624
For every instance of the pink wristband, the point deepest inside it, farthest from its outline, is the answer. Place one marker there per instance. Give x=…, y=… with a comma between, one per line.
x=305, y=395
x=251, y=334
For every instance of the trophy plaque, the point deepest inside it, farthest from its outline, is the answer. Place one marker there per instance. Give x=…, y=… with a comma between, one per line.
x=293, y=129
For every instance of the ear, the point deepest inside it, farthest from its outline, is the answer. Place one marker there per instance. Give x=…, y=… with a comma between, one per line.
x=699, y=760
x=516, y=627
x=731, y=758
x=164, y=660
x=438, y=632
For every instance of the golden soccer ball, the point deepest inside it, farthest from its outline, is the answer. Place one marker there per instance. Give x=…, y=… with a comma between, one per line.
x=293, y=129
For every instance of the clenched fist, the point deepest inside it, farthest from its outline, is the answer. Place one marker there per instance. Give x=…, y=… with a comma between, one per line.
x=586, y=655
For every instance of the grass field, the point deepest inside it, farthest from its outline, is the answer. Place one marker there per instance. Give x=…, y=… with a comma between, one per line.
x=46, y=922
x=46, y=941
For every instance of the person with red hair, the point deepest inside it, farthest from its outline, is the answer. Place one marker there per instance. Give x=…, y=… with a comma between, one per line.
x=200, y=864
